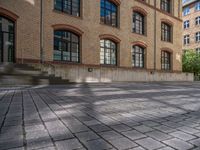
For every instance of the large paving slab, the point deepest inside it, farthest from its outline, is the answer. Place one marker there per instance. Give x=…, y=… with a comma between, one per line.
x=115, y=116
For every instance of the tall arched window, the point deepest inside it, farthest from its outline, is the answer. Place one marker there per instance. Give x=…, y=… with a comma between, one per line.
x=165, y=60
x=109, y=13
x=138, y=23
x=138, y=56
x=108, y=53
x=166, y=32
x=66, y=46
x=71, y=7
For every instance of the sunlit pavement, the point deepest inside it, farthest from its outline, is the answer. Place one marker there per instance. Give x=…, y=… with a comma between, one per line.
x=122, y=116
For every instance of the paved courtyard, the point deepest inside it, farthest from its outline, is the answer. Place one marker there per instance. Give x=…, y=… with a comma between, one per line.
x=120, y=116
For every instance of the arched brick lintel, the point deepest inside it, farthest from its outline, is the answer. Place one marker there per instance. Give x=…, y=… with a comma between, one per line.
x=8, y=14
x=110, y=37
x=167, y=49
x=167, y=22
x=116, y=2
x=140, y=10
x=68, y=27
x=139, y=43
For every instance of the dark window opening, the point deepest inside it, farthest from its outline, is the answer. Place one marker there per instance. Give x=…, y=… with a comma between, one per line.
x=166, y=32
x=66, y=46
x=165, y=60
x=71, y=7
x=138, y=57
x=108, y=52
x=109, y=13
x=138, y=23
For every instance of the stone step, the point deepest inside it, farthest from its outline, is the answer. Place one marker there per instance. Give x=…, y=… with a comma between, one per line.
x=22, y=74
x=30, y=80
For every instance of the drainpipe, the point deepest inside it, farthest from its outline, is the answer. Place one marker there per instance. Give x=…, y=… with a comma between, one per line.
x=41, y=33
x=155, y=34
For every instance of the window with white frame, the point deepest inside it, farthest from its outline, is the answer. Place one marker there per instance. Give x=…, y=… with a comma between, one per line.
x=186, y=39
x=197, y=6
x=198, y=37
x=186, y=24
x=186, y=11
x=197, y=20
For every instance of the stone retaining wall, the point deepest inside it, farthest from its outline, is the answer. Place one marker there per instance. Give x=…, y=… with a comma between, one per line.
x=75, y=73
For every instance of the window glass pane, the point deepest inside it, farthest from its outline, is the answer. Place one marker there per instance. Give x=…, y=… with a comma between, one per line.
x=165, y=32
x=108, y=13
x=165, y=60
x=108, y=52
x=165, y=5
x=57, y=55
x=58, y=4
x=138, y=57
x=71, y=7
x=68, y=45
x=138, y=23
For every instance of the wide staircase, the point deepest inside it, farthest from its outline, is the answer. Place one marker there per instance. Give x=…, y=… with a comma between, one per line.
x=22, y=74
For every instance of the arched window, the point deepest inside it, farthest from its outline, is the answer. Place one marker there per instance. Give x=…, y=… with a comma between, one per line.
x=109, y=13
x=66, y=46
x=108, y=53
x=138, y=54
x=165, y=60
x=71, y=7
x=165, y=5
x=166, y=32
x=138, y=23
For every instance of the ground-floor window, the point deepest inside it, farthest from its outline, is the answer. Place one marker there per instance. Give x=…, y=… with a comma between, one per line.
x=108, y=53
x=138, y=57
x=7, y=39
x=66, y=46
x=165, y=60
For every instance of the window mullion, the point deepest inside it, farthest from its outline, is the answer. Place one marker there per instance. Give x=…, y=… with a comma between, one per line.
x=71, y=8
x=71, y=47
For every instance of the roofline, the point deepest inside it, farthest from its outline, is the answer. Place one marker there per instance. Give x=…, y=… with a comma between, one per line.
x=189, y=3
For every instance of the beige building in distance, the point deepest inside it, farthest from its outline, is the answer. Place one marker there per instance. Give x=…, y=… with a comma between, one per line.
x=95, y=40
x=191, y=25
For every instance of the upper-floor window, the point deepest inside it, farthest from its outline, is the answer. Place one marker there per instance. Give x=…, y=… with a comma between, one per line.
x=138, y=23
x=109, y=13
x=66, y=46
x=186, y=24
x=198, y=50
x=186, y=39
x=186, y=11
x=165, y=5
x=165, y=60
x=197, y=20
x=71, y=7
x=166, y=32
x=198, y=37
x=197, y=6
x=138, y=57
x=184, y=1
x=108, y=52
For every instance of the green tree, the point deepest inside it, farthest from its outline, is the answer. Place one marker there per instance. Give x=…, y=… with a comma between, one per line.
x=191, y=62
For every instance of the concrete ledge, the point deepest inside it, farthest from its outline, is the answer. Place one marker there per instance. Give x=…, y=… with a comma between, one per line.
x=81, y=74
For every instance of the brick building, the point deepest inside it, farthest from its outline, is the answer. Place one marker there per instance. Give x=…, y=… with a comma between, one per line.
x=191, y=25
x=95, y=40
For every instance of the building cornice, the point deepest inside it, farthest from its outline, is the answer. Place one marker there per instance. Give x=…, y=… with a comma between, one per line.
x=159, y=10
x=189, y=2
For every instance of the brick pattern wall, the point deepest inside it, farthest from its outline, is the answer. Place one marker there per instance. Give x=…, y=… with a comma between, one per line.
x=192, y=29
x=28, y=30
